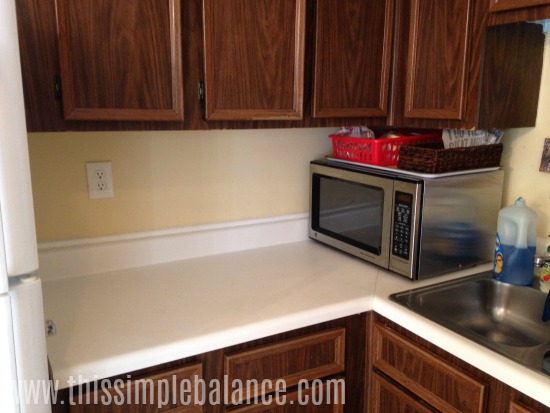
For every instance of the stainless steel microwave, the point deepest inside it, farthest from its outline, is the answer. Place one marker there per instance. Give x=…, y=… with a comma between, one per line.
x=415, y=225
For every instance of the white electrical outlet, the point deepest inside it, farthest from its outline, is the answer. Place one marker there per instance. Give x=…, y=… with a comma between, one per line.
x=100, y=180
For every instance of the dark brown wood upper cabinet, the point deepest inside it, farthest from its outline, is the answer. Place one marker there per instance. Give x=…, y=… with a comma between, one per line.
x=425, y=46
x=498, y=5
x=353, y=46
x=254, y=59
x=449, y=67
x=430, y=73
x=513, y=11
x=439, y=35
x=121, y=60
x=401, y=63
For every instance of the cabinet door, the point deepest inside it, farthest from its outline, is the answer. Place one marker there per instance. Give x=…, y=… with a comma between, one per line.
x=319, y=397
x=436, y=59
x=438, y=383
x=120, y=60
x=173, y=391
x=387, y=397
x=518, y=408
x=498, y=5
x=254, y=59
x=353, y=43
x=293, y=361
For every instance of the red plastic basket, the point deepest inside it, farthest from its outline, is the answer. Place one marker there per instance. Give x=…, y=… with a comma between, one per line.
x=379, y=151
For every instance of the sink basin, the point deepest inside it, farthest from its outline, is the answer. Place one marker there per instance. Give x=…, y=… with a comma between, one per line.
x=502, y=317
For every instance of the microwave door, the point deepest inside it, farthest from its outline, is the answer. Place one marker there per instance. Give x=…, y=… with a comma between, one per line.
x=350, y=211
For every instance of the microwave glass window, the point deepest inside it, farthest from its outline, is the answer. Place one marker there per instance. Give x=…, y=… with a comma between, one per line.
x=350, y=211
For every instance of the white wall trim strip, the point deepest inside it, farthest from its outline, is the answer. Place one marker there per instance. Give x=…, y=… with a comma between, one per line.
x=73, y=258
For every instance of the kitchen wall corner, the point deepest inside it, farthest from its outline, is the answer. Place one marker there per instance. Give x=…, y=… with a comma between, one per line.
x=522, y=154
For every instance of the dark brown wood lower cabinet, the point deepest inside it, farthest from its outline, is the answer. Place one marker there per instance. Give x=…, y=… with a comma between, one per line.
x=441, y=385
x=315, y=369
x=293, y=361
x=387, y=397
x=357, y=364
x=409, y=374
x=316, y=397
x=518, y=408
x=172, y=391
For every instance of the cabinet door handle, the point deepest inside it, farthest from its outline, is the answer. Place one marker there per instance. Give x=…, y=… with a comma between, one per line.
x=200, y=90
x=57, y=87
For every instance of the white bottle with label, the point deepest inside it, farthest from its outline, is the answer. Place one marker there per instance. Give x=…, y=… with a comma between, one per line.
x=515, y=244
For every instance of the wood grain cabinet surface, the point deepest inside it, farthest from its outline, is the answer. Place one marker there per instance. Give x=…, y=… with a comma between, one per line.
x=513, y=58
x=446, y=70
x=306, y=358
x=437, y=60
x=386, y=397
x=326, y=397
x=254, y=59
x=357, y=364
x=149, y=394
x=435, y=63
x=409, y=374
x=431, y=379
x=513, y=11
x=321, y=369
x=353, y=55
x=445, y=65
x=120, y=60
x=518, y=408
x=498, y=5
x=276, y=64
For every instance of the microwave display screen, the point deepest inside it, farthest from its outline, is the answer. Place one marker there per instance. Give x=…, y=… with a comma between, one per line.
x=349, y=211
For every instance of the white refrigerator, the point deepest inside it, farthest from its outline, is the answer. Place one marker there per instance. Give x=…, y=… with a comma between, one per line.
x=23, y=357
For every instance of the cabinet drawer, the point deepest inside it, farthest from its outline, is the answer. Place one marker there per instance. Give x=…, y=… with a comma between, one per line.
x=518, y=408
x=318, y=397
x=439, y=384
x=387, y=397
x=172, y=391
x=304, y=358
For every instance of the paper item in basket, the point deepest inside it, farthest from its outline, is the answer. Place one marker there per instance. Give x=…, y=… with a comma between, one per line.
x=391, y=134
x=356, y=132
x=456, y=138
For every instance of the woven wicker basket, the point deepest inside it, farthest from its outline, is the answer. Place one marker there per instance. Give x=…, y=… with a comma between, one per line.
x=433, y=158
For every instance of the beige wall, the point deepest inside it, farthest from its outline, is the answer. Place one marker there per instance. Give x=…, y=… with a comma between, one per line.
x=522, y=154
x=170, y=179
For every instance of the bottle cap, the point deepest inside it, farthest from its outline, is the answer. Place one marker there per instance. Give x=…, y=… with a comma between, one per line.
x=520, y=201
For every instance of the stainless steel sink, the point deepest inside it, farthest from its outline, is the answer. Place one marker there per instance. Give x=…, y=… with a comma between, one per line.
x=503, y=317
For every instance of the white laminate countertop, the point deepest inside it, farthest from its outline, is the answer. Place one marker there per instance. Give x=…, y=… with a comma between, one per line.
x=120, y=321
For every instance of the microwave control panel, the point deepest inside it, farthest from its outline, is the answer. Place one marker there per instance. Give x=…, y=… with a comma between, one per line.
x=402, y=216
